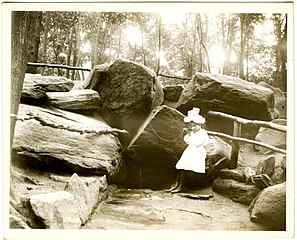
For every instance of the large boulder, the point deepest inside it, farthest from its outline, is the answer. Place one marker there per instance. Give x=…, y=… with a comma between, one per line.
x=35, y=87
x=128, y=92
x=269, y=208
x=272, y=137
x=62, y=141
x=57, y=210
x=152, y=154
x=228, y=94
x=74, y=99
x=279, y=99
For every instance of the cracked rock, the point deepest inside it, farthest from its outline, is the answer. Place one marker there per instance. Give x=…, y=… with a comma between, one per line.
x=62, y=141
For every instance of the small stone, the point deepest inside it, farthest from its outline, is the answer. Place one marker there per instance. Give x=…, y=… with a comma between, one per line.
x=87, y=194
x=266, y=166
x=235, y=174
x=237, y=191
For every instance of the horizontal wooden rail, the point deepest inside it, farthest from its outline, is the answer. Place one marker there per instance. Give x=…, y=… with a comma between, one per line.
x=247, y=141
x=31, y=64
x=250, y=122
x=181, y=78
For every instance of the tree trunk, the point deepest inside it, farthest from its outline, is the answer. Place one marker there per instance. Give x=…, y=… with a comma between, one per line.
x=229, y=43
x=193, y=48
x=45, y=33
x=21, y=23
x=34, y=39
x=247, y=57
x=74, y=63
x=142, y=45
x=78, y=43
x=111, y=31
x=159, y=43
x=199, y=31
x=241, y=56
x=69, y=51
x=283, y=54
x=119, y=43
x=97, y=19
x=228, y=50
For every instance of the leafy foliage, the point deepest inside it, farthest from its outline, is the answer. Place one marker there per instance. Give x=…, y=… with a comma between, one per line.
x=231, y=44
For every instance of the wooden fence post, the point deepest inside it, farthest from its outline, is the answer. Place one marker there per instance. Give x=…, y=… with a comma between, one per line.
x=235, y=145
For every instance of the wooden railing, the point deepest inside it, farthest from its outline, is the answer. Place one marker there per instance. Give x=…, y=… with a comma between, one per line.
x=236, y=138
x=44, y=66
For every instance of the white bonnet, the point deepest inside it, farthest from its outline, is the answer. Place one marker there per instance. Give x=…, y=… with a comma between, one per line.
x=193, y=116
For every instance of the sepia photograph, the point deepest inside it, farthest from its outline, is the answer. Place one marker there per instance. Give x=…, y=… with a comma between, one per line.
x=147, y=116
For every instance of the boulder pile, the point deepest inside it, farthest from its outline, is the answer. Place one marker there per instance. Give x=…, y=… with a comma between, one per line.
x=119, y=126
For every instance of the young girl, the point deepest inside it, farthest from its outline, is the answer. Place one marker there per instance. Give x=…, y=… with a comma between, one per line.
x=193, y=158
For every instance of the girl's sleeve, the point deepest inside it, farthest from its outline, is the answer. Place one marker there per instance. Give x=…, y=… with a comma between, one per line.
x=186, y=138
x=200, y=138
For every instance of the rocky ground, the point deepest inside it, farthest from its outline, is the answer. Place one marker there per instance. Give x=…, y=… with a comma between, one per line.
x=144, y=209
x=158, y=210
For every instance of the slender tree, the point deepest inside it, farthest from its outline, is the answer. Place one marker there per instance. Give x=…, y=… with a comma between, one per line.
x=34, y=40
x=159, y=43
x=20, y=33
x=280, y=31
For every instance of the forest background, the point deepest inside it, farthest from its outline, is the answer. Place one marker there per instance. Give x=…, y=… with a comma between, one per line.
x=247, y=45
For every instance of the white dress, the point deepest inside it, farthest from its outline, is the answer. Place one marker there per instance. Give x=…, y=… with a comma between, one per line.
x=193, y=158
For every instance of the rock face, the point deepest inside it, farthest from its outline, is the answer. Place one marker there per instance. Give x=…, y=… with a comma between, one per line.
x=74, y=99
x=269, y=208
x=35, y=86
x=227, y=94
x=62, y=141
x=152, y=154
x=279, y=99
x=172, y=94
x=271, y=136
x=128, y=93
x=17, y=223
x=86, y=194
x=58, y=210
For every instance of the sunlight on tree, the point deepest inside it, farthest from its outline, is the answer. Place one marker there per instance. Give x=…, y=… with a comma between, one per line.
x=109, y=51
x=217, y=57
x=163, y=60
x=233, y=57
x=133, y=35
x=266, y=30
x=86, y=47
